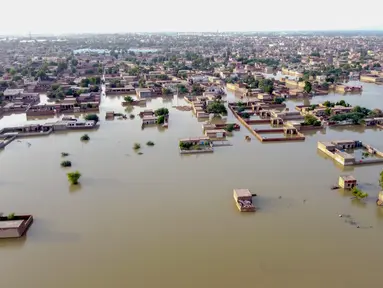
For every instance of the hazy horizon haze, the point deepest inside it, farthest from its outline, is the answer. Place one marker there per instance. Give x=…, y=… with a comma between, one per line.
x=116, y=16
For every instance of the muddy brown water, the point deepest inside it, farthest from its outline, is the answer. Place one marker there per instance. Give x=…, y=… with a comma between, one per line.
x=165, y=220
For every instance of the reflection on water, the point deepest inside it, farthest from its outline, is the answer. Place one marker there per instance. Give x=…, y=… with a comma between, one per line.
x=173, y=217
x=74, y=188
x=13, y=243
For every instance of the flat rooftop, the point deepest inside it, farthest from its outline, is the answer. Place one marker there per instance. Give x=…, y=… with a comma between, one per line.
x=11, y=224
x=346, y=155
x=327, y=144
x=343, y=142
x=348, y=178
x=242, y=192
x=216, y=131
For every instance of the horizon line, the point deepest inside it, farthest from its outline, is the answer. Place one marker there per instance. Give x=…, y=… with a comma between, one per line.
x=211, y=32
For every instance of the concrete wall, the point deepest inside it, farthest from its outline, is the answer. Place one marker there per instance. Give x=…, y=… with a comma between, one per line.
x=322, y=148
x=33, y=134
x=9, y=233
x=196, y=151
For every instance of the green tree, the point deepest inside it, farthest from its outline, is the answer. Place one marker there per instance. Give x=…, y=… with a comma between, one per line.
x=166, y=91
x=136, y=146
x=311, y=120
x=267, y=85
x=85, y=137
x=359, y=194
x=128, y=99
x=73, y=177
x=216, y=107
x=328, y=104
x=197, y=90
x=66, y=164
x=161, y=119
x=182, y=89
x=342, y=103
x=279, y=100
x=325, y=85
x=230, y=127
x=161, y=112
x=91, y=117
x=308, y=87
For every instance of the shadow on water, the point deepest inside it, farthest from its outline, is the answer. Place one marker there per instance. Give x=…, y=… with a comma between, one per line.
x=337, y=165
x=379, y=212
x=15, y=243
x=129, y=109
x=350, y=128
x=272, y=204
x=344, y=193
x=314, y=132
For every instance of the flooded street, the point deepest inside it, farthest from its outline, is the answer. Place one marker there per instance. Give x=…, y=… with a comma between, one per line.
x=165, y=220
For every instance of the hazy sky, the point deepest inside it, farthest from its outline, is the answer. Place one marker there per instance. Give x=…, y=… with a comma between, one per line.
x=79, y=16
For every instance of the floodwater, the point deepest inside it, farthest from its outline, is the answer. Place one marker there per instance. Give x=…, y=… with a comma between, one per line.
x=165, y=220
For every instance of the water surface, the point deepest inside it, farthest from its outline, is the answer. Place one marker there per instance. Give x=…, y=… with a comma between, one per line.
x=165, y=220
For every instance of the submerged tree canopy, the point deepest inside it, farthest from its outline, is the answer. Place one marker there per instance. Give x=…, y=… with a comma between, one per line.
x=216, y=107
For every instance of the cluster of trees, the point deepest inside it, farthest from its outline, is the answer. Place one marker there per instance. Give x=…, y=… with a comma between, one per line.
x=216, y=107
x=356, y=115
x=185, y=145
x=197, y=90
x=90, y=81
x=166, y=91
x=267, y=85
x=267, y=61
x=182, y=89
x=279, y=100
x=56, y=92
x=251, y=82
x=330, y=104
x=115, y=84
x=311, y=120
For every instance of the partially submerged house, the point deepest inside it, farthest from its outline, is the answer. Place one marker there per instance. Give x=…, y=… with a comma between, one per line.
x=347, y=182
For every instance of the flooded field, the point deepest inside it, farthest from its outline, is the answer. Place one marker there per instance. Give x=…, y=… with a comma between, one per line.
x=164, y=220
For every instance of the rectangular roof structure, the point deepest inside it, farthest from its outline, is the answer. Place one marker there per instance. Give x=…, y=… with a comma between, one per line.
x=242, y=193
x=346, y=155
x=348, y=178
